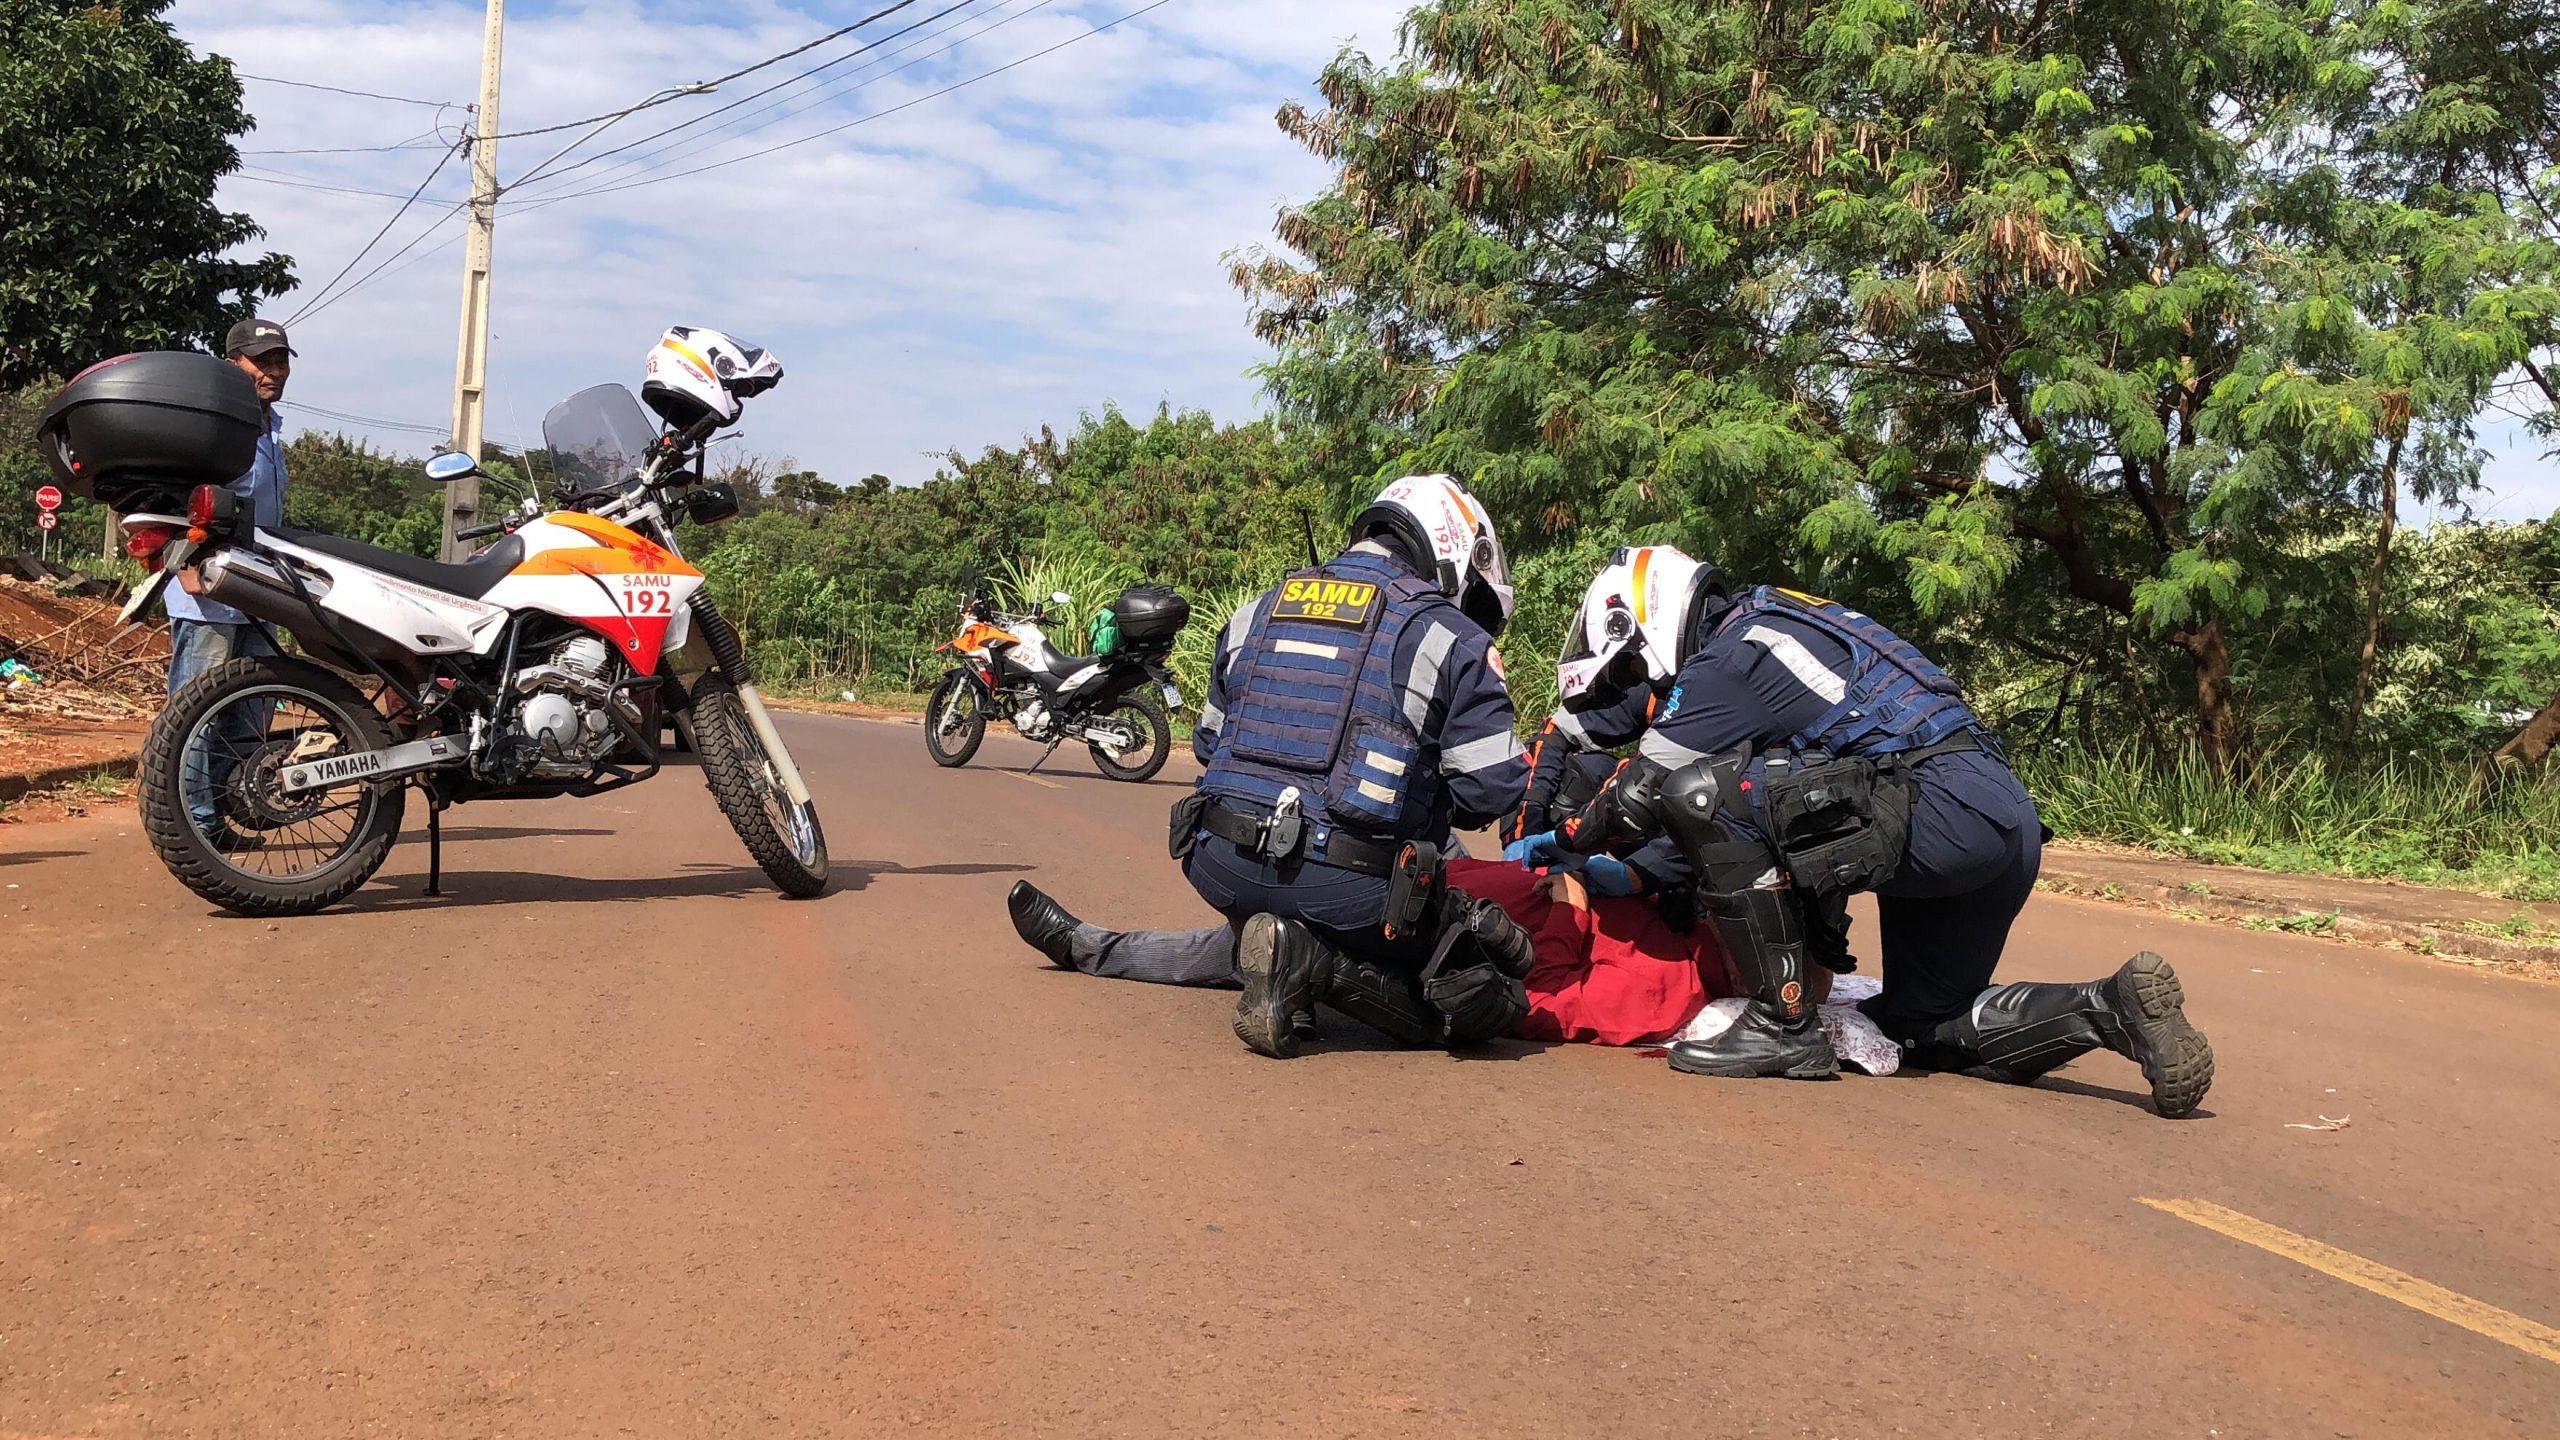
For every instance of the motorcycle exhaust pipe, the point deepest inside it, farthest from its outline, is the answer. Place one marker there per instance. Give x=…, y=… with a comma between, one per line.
x=256, y=586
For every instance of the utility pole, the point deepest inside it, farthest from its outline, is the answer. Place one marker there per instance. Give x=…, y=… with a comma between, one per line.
x=471, y=353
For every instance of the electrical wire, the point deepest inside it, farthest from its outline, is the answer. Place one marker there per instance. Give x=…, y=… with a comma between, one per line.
x=313, y=311
x=321, y=295
x=750, y=99
x=378, y=423
x=414, y=142
x=661, y=99
x=337, y=90
x=298, y=182
x=842, y=85
x=861, y=121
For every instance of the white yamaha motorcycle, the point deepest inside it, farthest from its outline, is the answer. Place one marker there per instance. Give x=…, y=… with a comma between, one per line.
x=544, y=666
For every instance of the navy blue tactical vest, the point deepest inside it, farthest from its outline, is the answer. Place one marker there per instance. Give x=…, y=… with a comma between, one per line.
x=1896, y=698
x=1317, y=705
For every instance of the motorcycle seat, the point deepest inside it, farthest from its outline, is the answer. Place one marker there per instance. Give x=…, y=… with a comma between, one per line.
x=471, y=579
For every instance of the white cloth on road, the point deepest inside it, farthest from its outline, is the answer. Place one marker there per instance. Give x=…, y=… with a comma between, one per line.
x=1854, y=1036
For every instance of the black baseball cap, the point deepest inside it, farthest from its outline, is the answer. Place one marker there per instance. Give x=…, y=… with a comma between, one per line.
x=255, y=337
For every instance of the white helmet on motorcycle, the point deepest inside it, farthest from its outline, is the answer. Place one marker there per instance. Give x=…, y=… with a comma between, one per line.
x=1636, y=620
x=693, y=372
x=1449, y=538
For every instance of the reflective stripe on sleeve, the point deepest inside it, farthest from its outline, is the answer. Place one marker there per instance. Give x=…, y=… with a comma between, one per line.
x=1790, y=652
x=1669, y=754
x=1424, y=680
x=1571, y=726
x=1481, y=754
x=1212, y=719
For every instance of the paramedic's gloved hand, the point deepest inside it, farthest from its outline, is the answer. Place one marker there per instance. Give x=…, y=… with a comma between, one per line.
x=1606, y=875
x=1536, y=850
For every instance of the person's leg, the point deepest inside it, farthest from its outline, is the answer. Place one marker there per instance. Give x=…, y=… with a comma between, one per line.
x=1941, y=949
x=196, y=647
x=1205, y=956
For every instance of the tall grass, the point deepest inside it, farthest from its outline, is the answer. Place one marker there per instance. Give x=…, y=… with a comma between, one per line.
x=2294, y=810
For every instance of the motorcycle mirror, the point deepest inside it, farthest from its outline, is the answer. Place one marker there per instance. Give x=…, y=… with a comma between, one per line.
x=450, y=466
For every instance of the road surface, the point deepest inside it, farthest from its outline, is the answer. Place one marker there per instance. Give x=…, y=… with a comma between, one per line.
x=614, y=1141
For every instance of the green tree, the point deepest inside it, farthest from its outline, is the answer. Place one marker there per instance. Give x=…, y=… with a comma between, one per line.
x=2064, y=315
x=112, y=136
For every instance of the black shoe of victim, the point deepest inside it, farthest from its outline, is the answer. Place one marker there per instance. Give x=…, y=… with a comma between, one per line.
x=1043, y=923
x=2175, y=1057
x=1760, y=1046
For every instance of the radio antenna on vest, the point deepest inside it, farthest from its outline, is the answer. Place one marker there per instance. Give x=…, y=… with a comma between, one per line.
x=1308, y=521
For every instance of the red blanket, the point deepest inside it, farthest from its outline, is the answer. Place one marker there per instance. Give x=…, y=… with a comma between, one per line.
x=1611, y=975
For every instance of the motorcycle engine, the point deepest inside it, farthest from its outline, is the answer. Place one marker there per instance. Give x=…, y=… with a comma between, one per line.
x=1030, y=715
x=563, y=719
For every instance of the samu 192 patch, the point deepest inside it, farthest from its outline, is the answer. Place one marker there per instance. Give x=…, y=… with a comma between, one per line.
x=1337, y=602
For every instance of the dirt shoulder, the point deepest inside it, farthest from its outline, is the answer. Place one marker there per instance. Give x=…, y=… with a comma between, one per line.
x=2453, y=924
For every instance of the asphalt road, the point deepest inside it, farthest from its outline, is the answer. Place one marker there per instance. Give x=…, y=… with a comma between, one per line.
x=614, y=1141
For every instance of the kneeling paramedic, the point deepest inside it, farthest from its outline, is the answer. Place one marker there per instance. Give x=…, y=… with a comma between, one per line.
x=1355, y=712
x=1804, y=752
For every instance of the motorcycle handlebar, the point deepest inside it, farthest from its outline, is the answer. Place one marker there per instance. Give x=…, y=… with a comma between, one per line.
x=474, y=532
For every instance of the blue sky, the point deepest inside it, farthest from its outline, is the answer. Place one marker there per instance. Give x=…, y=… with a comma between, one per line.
x=955, y=274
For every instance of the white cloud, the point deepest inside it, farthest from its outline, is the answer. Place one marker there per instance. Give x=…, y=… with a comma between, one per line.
x=955, y=274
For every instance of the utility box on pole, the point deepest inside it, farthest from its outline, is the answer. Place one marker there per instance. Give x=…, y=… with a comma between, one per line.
x=471, y=354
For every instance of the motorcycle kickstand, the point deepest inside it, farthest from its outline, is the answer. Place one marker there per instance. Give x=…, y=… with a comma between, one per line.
x=1045, y=754
x=435, y=847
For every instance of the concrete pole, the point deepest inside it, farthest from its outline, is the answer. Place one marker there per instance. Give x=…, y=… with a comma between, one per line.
x=471, y=352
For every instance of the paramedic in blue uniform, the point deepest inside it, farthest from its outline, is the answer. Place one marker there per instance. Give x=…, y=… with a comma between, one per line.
x=1802, y=746
x=1355, y=710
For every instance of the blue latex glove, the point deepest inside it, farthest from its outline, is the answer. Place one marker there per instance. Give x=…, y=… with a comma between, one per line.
x=1534, y=851
x=1606, y=875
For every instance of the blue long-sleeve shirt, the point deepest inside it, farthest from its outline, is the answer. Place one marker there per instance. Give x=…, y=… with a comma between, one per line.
x=263, y=488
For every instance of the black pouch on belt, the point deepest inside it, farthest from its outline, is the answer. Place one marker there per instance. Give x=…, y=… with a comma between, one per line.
x=1413, y=890
x=1184, y=829
x=1841, y=823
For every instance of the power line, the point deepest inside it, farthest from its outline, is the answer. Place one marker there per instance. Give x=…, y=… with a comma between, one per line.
x=322, y=293
x=663, y=98
x=312, y=311
x=439, y=431
x=744, y=99
x=414, y=142
x=338, y=90
x=863, y=120
x=298, y=182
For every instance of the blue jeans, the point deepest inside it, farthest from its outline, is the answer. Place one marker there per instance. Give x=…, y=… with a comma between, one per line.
x=195, y=647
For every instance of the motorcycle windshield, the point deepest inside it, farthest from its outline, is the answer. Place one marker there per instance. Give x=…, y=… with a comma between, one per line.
x=596, y=438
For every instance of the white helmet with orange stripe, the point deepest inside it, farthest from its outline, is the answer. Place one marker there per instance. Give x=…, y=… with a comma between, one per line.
x=1445, y=532
x=692, y=373
x=1635, y=622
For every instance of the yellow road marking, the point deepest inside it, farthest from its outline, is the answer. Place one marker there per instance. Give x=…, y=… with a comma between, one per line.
x=2477, y=1316
x=1034, y=779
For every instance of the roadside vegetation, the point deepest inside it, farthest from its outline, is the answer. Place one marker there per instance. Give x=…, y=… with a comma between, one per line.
x=2109, y=352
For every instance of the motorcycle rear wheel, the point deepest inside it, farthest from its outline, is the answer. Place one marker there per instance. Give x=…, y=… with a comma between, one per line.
x=227, y=733
x=784, y=838
x=1145, y=714
x=955, y=720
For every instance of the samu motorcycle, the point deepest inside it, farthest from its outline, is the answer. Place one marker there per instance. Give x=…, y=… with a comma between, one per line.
x=1118, y=703
x=544, y=666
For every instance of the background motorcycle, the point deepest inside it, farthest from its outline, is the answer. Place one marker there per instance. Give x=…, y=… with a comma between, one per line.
x=1118, y=704
x=273, y=785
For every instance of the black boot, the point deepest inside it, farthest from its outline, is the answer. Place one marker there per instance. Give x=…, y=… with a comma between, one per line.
x=1778, y=1036
x=2027, y=1029
x=1387, y=1001
x=1043, y=923
x=1285, y=970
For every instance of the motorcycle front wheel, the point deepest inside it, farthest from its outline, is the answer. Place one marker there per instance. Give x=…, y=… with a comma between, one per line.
x=213, y=801
x=1140, y=717
x=783, y=837
x=955, y=720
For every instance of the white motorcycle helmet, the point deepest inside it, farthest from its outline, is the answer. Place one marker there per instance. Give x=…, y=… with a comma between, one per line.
x=1635, y=621
x=692, y=372
x=1448, y=536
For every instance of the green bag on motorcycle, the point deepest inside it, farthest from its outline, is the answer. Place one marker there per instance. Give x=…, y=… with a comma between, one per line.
x=1104, y=632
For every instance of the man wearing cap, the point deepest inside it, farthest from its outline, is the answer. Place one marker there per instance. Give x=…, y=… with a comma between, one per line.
x=202, y=633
